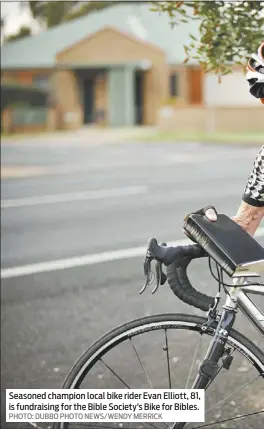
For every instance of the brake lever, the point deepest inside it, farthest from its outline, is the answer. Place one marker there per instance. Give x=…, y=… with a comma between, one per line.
x=147, y=271
x=160, y=276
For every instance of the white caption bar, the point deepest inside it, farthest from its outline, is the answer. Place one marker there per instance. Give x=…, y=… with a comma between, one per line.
x=117, y=405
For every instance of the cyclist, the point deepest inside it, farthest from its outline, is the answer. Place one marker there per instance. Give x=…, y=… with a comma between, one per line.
x=255, y=73
x=251, y=209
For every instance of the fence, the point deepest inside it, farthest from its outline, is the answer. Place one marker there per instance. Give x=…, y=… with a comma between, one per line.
x=204, y=119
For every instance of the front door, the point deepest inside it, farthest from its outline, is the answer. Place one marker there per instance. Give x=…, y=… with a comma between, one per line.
x=139, y=97
x=195, y=78
x=88, y=100
x=121, y=96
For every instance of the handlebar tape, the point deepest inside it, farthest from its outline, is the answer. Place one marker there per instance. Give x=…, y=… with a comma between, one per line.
x=179, y=281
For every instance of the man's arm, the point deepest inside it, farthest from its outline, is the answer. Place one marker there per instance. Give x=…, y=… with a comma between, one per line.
x=251, y=209
x=249, y=217
x=254, y=189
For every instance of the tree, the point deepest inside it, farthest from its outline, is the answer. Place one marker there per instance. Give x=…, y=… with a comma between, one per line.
x=52, y=13
x=229, y=31
x=47, y=13
x=22, y=32
x=88, y=7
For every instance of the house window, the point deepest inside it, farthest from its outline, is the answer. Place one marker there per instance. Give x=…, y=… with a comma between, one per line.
x=42, y=82
x=174, y=85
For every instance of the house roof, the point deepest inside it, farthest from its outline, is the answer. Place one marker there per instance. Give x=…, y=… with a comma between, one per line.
x=137, y=19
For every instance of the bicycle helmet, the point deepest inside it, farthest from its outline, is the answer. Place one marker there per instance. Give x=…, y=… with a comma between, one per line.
x=255, y=73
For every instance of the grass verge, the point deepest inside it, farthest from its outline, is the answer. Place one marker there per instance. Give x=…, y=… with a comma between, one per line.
x=23, y=136
x=232, y=138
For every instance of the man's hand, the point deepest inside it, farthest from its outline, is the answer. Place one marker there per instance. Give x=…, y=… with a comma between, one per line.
x=211, y=214
x=208, y=211
x=248, y=217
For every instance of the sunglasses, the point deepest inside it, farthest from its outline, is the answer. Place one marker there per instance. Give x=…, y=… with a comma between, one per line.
x=254, y=65
x=261, y=51
x=256, y=62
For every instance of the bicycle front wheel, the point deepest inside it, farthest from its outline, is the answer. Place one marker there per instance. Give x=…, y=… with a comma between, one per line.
x=165, y=351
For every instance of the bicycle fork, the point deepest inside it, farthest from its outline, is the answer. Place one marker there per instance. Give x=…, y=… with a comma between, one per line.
x=209, y=367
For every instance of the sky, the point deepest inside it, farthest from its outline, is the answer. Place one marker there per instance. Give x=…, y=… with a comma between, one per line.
x=14, y=16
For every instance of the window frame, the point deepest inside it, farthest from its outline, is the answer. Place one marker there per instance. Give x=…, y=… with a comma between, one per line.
x=174, y=84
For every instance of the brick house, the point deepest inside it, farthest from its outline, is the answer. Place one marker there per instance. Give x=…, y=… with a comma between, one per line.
x=124, y=66
x=118, y=65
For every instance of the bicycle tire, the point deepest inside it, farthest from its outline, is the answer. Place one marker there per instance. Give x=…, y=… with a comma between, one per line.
x=245, y=346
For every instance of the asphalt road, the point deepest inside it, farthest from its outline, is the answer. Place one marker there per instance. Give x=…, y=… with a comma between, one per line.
x=80, y=200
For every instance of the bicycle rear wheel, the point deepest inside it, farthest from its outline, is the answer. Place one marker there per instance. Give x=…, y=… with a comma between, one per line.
x=165, y=351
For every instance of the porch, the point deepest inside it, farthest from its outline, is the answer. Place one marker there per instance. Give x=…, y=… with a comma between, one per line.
x=106, y=94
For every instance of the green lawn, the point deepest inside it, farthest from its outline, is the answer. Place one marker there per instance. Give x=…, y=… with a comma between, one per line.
x=244, y=138
x=232, y=138
x=22, y=136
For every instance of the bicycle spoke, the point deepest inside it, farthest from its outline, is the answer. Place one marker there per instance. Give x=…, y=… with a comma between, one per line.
x=146, y=375
x=166, y=348
x=122, y=381
x=233, y=393
x=135, y=365
x=113, y=372
x=231, y=419
x=141, y=364
x=192, y=364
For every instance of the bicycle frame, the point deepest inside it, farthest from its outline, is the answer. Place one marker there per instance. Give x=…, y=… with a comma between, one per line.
x=239, y=298
x=236, y=298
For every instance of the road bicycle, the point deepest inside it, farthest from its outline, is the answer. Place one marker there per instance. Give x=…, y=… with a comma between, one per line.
x=184, y=350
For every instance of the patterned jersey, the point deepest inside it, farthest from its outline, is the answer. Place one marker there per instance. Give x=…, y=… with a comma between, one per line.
x=254, y=190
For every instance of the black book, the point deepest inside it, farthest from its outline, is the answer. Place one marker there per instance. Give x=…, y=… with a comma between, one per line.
x=227, y=243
